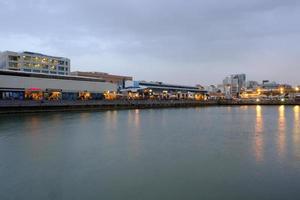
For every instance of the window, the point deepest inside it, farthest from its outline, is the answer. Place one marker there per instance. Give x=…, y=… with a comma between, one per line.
x=37, y=65
x=61, y=73
x=52, y=72
x=27, y=65
x=53, y=67
x=61, y=62
x=45, y=60
x=61, y=68
x=36, y=71
x=45, y=72
x=14, y=58
x=14, y=65
x=27, y=70
x=27, y=58
x=45, y=66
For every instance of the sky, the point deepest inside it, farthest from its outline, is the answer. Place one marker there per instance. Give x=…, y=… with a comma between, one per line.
x=173, y=41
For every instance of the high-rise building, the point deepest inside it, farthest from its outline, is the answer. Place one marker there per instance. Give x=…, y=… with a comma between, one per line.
x=234, y=84
x=34, y=62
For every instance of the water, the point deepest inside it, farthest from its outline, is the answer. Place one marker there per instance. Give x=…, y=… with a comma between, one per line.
x=196, y=153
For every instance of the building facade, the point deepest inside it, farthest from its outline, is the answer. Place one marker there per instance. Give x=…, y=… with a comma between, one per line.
x=159, y=90
x=116, y=79
x=34, y=86
x=234, y=84
x=34, y=63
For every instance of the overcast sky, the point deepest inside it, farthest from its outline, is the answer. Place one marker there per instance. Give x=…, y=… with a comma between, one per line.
x=175, y=41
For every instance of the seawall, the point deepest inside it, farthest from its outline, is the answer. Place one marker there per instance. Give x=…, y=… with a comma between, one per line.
x=50, y=106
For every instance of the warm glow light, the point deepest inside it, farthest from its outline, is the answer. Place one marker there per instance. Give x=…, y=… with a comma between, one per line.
x=282, y=100
x=259, y=91
x=257, y=100
x=281, y=90
x=259, y=137
x=281, y=140
x=297, y=89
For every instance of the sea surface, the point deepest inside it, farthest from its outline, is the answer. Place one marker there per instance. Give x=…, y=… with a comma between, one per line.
x=247, y=152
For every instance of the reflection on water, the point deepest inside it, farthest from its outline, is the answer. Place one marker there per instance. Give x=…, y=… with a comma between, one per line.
x=134, y=130
x=33, y=123
x=112, y=154
x=296, y=132
x=281, y=139
x=111, y=118
x=259, y=140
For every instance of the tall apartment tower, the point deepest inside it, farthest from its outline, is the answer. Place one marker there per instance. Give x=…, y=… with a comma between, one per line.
x=234, y=84
x=34, y=62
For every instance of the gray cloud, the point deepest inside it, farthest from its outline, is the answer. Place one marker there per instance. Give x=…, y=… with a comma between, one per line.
x=176, y=41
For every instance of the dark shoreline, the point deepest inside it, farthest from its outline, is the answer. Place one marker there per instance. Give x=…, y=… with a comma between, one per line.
x=7, y=107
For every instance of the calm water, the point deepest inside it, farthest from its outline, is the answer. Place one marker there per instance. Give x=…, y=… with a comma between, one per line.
x=198, y=153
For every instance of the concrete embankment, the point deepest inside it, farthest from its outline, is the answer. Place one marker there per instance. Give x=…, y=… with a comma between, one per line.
x=47, y=106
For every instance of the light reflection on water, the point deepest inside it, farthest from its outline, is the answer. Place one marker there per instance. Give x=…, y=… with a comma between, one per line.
x=281, y=132
x=134, y=131
x=259, y=135
x=296, y=132
x=201, y=153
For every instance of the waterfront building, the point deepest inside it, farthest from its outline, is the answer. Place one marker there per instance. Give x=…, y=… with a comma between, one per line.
x=220, y=88
x=116, y=79
x=234, y=84
x=211, y=89
x=37, y=86
x=34, y=62
x=252, y=84
x=266, y=84
x=143, y=89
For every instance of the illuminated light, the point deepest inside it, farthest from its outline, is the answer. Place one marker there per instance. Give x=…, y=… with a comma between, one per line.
x=297, y=89
x=35, y=89
x=281, y=90
x=282, y=100
x=257, y=100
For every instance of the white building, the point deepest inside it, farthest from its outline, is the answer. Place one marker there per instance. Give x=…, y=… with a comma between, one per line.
x=234, y=84
x=34, y=62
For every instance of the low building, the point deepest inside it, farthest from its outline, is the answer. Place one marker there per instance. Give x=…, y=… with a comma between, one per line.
x=116, y=79
x=143, y=89
x=34, y=86
x=252, y=84
x=270, y=85
x=34, y=62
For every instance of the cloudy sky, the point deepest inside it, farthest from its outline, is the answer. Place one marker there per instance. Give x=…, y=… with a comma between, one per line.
x=175, y=41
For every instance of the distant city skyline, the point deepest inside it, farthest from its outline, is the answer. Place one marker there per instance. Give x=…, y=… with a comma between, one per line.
x=174, y=41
